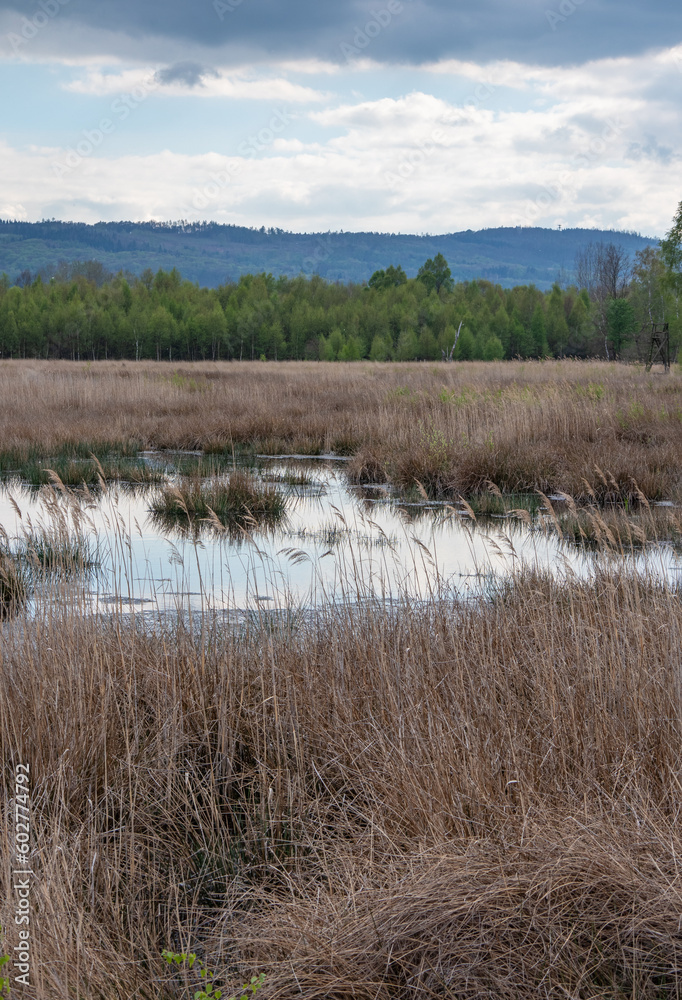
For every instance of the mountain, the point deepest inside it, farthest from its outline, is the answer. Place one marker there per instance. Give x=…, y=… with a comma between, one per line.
x=209, y=253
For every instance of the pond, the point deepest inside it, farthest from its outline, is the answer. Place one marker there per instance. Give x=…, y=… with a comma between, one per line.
x=335, y=541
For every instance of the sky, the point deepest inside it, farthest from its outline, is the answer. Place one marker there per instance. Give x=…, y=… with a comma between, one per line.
x=411, y=116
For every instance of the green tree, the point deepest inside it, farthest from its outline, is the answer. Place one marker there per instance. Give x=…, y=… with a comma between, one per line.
x=390, y=278
x=557, y=327
x=9, y=335
x=160, y=332
x=407, y=346
x=466, y=346
x=332, y=346
x=671, y=248
x=435, y=274
x=493, y=349
x=351, y=350
x=501, y=327
x=538, y=333
x=380, y=350
x=427, y=346
x=621, y=323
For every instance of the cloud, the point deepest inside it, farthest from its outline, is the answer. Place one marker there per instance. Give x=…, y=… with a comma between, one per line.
x=548, y=32
x=413, y=163
x=188, y=78
x=188, y=73
x=651, y=149
x=101, y=84
x=521, y=143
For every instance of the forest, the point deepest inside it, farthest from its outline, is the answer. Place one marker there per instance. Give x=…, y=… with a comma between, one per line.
x=212, y=253
x=83, y=312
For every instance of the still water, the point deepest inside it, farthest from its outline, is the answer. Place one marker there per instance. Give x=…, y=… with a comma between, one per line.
x=336, y=541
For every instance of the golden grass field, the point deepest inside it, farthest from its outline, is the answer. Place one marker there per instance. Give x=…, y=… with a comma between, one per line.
x=379, y=802
x=438, y=801
x=579, y=427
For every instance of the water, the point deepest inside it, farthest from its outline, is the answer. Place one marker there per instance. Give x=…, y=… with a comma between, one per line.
x=337, y=541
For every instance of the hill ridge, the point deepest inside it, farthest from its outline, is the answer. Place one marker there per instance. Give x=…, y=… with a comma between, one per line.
x=210, y=252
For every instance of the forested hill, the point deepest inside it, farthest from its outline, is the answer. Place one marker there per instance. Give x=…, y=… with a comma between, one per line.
x=209, y=253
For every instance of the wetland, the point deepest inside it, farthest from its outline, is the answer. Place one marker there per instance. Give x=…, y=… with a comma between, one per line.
x=361, y=677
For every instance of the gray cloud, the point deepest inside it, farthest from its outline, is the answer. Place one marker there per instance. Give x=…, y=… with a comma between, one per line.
x=189, y=73
x=550, y=32
x=651, y=149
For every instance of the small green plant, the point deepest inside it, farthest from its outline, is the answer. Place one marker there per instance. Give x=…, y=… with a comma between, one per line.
x=398, y=392
x=435, y=445
x=209, y=992
x=455, y=398
x=179, y=381
x=593, y=390
x=4, y=980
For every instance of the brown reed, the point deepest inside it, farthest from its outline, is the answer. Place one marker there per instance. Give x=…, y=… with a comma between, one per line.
x=475, y=799
x=590, y=429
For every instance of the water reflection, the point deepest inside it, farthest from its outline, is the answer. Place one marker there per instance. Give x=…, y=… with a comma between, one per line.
x=335, y=541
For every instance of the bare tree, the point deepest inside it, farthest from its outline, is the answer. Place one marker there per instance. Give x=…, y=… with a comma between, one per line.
x=605, y=270
x=451, y=353
x=615, y=270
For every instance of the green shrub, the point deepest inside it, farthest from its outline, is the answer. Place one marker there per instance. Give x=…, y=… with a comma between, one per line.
x=209, y=992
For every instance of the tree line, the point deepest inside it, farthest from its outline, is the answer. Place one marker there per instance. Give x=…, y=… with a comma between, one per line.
x=79, y=311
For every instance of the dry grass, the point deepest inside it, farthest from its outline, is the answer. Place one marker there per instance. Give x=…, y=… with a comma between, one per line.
x=13, y=583
x=237, y=500
x=444, y=800
x=619, y=530
x=588, y=429
x=454, y=801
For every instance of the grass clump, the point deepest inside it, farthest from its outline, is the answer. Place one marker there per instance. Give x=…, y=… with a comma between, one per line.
x=13, y=583
x=240, y=501
x=453, y=800
x=89, y=472
x=56, y=553
x=618, y=529
x=290, y=478
x=495, y=504
x=28, y=461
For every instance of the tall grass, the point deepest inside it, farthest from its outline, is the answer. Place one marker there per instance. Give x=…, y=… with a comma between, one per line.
x=447, y=799
x=13, y=582
x=442, y=798
x=586, y=428
x=237, y=500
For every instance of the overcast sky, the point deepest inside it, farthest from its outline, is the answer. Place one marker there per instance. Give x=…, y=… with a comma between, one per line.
x=395, y=115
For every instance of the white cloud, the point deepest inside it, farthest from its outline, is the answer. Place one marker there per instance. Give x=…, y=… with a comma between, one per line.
x=620, y=79
x=96, y=83
x=213, y=84
x=595, y=145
